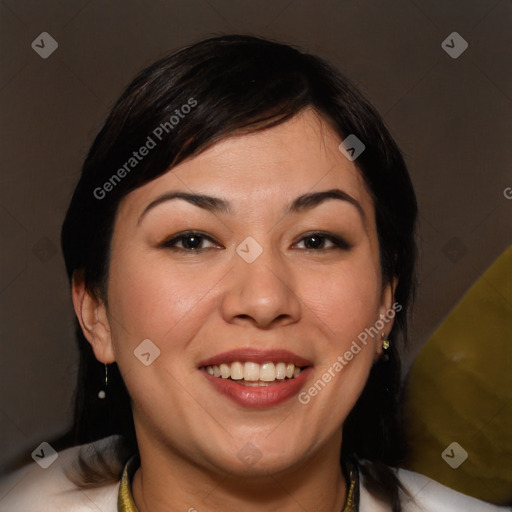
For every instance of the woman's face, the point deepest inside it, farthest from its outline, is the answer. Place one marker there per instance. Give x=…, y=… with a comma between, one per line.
x=278, y=264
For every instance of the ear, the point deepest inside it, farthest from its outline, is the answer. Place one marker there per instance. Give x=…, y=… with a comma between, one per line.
x=92, y=316
x=387, y=313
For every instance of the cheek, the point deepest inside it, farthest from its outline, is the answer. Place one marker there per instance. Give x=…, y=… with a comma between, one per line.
x=346, y=299
x=344, y=302
x=156, y=301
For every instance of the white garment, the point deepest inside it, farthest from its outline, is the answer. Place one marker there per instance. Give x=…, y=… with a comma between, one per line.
x=33, y=489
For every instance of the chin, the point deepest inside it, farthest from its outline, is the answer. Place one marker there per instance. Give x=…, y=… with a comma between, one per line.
x=261, y=464
x=254, y=458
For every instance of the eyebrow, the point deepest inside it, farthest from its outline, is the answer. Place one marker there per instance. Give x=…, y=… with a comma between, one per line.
x=212, y=204
x=313, y=199
x=215, y=204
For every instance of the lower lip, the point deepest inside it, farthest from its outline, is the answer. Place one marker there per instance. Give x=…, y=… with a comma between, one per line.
x=259, y=396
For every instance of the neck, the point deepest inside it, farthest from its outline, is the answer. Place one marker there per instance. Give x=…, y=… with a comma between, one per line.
x=167, y=482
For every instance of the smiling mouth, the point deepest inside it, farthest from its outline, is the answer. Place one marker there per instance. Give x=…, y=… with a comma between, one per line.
x=253, y=374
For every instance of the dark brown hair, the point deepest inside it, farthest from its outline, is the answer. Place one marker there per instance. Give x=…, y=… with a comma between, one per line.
x=239, y=84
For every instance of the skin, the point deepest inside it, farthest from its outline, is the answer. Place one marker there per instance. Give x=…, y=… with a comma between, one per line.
x=196, y=304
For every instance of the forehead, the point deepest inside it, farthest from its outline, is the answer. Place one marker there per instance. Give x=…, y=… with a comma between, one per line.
x=270, y=166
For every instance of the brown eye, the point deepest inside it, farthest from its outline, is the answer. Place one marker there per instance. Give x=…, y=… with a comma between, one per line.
x=314, y=242
x=322, y=241
x=190, y=241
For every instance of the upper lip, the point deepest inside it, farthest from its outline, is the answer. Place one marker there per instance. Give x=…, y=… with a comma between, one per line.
x=256, y=356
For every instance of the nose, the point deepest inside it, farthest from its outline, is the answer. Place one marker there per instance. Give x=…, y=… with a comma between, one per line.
x=261, y=293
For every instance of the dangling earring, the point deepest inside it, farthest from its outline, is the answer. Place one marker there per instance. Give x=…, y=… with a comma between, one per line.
x=385, y=347
x=103, y=393
x=385, y=342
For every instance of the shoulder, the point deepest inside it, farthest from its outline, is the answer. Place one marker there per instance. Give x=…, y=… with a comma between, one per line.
x=428, y=496
x=33, y=488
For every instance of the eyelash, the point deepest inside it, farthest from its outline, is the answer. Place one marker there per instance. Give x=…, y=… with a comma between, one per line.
x=338, y=243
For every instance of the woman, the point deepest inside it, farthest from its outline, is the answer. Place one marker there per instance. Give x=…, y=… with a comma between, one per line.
x=241, y=253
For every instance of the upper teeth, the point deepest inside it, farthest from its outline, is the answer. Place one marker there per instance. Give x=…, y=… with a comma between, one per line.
x=253, y=372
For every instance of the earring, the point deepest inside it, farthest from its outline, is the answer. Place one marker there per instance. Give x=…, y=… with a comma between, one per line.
x=103, y=393
x=385, y=342
x=385, y=346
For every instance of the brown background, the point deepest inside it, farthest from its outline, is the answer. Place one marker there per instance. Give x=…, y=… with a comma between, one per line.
x=452, y=118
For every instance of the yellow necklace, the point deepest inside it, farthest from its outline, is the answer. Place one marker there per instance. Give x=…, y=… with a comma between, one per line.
x=125, y=501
